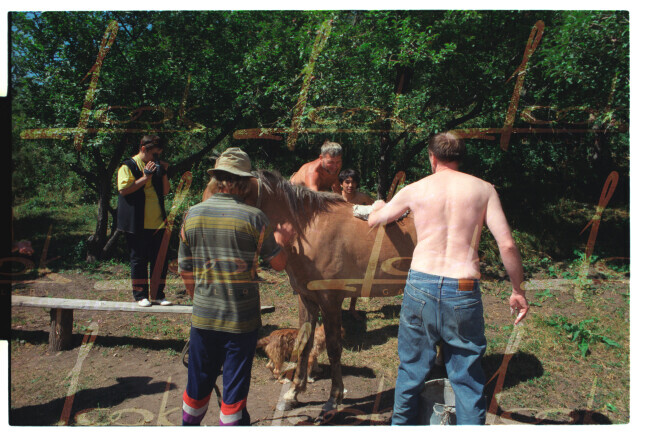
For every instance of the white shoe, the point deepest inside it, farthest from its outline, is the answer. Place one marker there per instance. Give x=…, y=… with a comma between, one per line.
x=163, y=302
x=144, y=303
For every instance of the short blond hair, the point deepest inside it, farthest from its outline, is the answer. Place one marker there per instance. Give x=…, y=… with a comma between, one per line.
x=330, y=148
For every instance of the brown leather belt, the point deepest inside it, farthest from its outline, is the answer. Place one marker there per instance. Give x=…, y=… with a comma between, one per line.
x=466, y=284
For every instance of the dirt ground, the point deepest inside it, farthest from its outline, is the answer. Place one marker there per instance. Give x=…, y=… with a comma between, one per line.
x=131, y=372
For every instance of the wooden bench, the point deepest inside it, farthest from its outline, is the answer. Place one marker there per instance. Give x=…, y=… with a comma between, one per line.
x=62, y=313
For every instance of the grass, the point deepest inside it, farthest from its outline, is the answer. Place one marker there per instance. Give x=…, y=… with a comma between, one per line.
x=581, y=332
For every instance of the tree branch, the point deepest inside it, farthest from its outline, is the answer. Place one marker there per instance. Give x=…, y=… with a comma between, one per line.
x=90, y=178
x=111, y=241
x=98, y=159
x=477, y=109
x=187, y=163
x=415, y=149
x=115, y=160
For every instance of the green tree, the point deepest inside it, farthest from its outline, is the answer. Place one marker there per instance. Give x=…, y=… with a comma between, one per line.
x=191, y=76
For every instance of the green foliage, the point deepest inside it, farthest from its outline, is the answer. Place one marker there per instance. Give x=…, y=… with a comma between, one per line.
x=543, y=295
x=383, y=83
x=580, y=332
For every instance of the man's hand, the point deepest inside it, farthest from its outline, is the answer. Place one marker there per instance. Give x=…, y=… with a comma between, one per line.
x=378, y=205
x=283, y=234
x=189, y=282
x=372, y=220
x=518, y=303
x=149, y=169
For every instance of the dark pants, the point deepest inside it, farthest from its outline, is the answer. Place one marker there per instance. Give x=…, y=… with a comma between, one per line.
x=144, y=249
x=212, y=353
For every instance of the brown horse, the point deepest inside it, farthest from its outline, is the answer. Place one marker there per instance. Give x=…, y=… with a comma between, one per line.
x=332, y=256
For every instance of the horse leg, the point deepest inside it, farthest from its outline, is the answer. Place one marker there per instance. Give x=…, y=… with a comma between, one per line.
x=331, y=314
x=277, y=366
x=352, y=309
x=308, y=314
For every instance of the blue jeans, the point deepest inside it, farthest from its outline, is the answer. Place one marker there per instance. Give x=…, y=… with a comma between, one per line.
x=434, y=308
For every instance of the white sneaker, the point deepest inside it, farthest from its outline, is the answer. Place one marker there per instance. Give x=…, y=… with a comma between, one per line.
x=163, y=302
x=144, y=303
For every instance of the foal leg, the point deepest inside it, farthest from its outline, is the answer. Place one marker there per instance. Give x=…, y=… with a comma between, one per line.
x=308, y=314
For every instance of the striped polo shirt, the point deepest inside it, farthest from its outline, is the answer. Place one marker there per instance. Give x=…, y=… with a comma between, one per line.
x=222, y=236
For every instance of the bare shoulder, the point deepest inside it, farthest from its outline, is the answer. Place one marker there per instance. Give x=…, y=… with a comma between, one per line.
x=364, y=199
x=477, y=183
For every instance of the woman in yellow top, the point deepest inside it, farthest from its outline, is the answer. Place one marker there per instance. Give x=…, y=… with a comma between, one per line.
x=142, y=185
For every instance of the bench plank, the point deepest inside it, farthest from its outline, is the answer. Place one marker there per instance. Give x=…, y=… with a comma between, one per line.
x=62, y=313
x=95, y=305
x=102, y=305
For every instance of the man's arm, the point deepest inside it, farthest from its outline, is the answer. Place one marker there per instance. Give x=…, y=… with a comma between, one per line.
x=139, y=183
x=282, y=235
x=365, y=199
x=189, y=282
x=184, y=262
x=496, y=222
x=313, y=180
x=384, y=213
x=279, y=262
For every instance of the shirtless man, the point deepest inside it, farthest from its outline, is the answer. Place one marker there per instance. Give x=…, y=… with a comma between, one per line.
x=319, y=175
x=322, y=174
x=349, y=181
x=442, y=298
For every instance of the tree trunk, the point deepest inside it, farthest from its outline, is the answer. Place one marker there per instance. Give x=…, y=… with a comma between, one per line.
x=96, y=242
x=383, y=165
x=387, y=143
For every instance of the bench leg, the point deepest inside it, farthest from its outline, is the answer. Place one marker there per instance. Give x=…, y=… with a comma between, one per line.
x=60, y=330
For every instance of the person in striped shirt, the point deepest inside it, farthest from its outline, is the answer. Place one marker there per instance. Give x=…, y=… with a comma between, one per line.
x=221, y=239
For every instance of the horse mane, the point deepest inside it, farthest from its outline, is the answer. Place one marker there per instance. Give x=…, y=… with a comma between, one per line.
x=303, y=204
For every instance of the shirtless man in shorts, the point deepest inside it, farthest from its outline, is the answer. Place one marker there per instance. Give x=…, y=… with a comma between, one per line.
x=442, y=300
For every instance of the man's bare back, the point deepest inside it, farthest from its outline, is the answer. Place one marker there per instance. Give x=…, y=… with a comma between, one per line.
x=450, y=209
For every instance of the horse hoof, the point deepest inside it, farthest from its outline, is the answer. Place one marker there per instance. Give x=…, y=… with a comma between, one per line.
x=286, y=405
x=330, y=405
x=327, y=413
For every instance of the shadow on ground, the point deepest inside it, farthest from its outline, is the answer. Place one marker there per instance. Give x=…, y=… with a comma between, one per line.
x=105, y=397
x=42, y=337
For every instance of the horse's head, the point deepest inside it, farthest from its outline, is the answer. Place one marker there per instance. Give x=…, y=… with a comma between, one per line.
x=285, y=203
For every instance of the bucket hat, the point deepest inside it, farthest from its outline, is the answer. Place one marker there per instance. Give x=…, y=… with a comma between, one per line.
x=233, y=160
